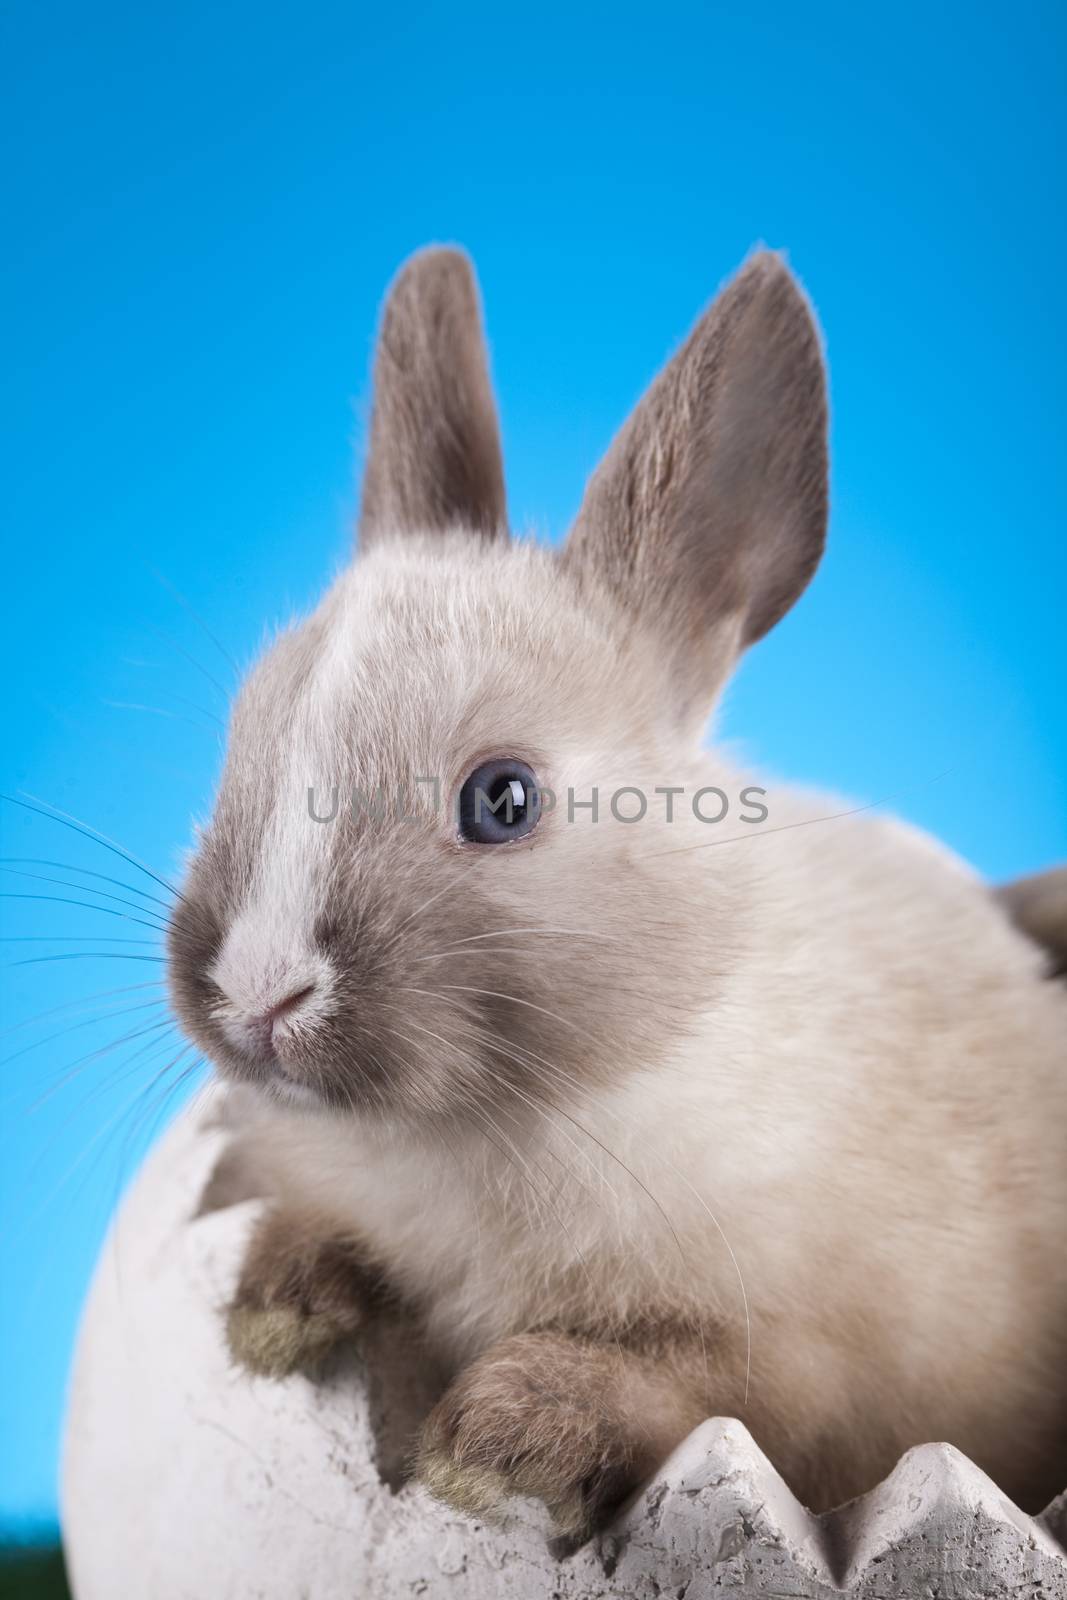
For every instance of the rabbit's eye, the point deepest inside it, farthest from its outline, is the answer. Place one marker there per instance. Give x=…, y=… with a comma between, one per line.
x=499, y=802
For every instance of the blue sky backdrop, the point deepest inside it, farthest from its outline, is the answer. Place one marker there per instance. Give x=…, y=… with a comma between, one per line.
x=204, y=204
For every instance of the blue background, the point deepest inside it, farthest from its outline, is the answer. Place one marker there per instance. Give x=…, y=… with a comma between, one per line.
x=204, y=205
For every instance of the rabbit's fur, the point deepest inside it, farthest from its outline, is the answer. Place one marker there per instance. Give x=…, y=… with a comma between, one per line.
x=648, y=1121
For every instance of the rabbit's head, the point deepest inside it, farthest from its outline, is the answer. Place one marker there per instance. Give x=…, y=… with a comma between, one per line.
x=440, y=873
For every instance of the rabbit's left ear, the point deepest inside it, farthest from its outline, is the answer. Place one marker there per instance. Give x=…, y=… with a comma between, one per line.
x=434, y=459
x=707, y=516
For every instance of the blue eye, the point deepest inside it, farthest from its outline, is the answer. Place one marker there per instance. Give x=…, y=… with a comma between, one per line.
x=499, y=802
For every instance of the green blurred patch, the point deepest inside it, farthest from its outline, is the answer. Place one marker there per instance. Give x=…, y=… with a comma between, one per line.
x=32, y=1572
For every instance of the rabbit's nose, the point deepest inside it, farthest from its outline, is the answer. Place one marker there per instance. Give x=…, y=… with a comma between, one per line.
x=288, y=1008
x=267, y=1028
x=292, y=1002
x=268, y=1018
x=274, y=995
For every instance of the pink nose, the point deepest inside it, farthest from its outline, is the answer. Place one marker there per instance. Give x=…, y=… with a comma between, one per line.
x=266, y=1023
x=292, y=1002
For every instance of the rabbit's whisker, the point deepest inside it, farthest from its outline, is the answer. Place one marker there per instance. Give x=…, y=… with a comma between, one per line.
x=101, y=894
x=161, y=711
x=177, y=595
x=83, y=955
x=82, y=1000
x=85, y=872
x=84, y=1022
x=418, y=911
x=53, y=813
x=72, y=938
x=193, y=662
x=494, y=994
x=82, y=1062
x=85, y=905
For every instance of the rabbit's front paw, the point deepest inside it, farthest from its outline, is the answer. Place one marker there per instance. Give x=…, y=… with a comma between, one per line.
x=299, y=1296
x=536, y=1415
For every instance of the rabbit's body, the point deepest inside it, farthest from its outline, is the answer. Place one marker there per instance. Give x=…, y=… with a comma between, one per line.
x=624, y=1108
x=869, y=1104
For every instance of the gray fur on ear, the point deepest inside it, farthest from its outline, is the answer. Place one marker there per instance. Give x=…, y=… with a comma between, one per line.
x=434, y=459
x=710, y=506
x=1038, y=906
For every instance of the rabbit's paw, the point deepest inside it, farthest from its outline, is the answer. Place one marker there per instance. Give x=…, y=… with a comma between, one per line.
x=299, y=1296
x=537, y=1415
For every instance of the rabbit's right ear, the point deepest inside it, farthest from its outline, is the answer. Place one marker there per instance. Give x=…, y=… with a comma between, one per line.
x=707, y=516
x=434, y=459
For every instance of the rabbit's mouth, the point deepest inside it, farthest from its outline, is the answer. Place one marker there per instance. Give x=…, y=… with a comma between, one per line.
x=280, y=1086
x=290, y=1090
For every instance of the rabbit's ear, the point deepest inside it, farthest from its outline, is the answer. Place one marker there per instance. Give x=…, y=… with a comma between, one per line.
x=434, y=458
x=707, y=516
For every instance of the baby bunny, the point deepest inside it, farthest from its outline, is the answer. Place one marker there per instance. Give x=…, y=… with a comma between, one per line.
x=642, y=1130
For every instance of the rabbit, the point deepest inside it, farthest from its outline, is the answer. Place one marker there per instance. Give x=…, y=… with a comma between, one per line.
x=643, y=1130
